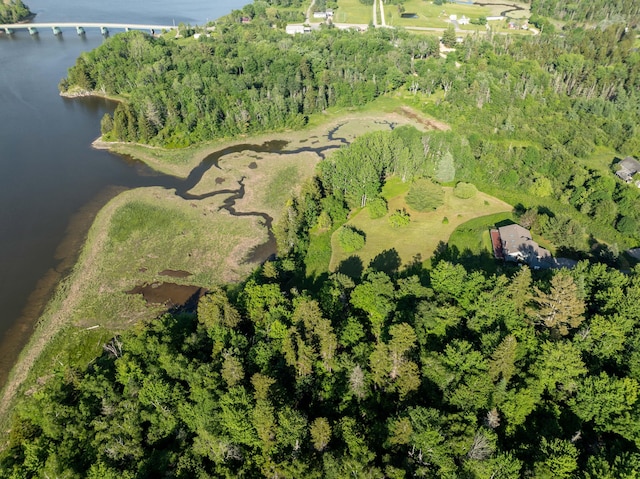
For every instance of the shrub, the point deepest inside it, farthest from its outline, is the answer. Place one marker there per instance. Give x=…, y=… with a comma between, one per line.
x=324, y=220
x=377, y=208
x=424, y=195
x=350, y=239
x=445, y=221
x=399, y=219
x=627, y=225
x=465, y=190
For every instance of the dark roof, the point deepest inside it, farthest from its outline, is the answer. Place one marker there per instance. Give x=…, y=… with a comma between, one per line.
x=630, y=164
x=517, y=242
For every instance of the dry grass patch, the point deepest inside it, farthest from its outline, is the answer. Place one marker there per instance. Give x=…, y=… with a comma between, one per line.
x=421, y=237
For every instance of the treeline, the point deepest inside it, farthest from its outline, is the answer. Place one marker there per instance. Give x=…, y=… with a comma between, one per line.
x=591, y=11
x=443, y=373
x=13, y=11
x=241, y=79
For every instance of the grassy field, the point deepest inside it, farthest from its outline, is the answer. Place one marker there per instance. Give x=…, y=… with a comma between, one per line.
x=352, y=11
x=437, y=16
x=421, y=237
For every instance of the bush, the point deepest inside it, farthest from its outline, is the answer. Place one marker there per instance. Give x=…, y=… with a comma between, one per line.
x=627, y=225
x=377, y=208
x=324, y=220
x=350, y=239
x=465, y=190
x=424, y=195
x=445, y=221
x=399, y=219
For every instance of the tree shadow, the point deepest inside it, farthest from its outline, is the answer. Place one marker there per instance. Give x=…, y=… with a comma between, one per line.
x=387, y=262
x=502, y=223
x=352, y=267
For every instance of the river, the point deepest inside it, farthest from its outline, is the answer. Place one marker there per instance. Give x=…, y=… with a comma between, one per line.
x=52, y=182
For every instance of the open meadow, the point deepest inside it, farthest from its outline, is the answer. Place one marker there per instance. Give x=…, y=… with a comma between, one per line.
x=420, y=239
x=427, y=14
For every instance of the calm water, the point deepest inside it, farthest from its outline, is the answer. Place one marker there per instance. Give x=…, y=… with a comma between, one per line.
x=51, y=181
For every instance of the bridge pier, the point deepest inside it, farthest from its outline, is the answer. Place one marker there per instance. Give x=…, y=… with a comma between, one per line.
x=56, y=30
x=8, y=31
x=80, y=30
x=104, y=31
x=33, y=31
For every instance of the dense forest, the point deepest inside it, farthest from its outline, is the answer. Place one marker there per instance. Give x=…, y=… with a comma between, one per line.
x=446, y=373
x=590, y=11
x=13, y=11
x=239, y=80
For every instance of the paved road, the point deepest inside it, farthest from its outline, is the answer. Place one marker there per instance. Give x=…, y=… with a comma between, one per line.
x=375, y=14
x=384, y=22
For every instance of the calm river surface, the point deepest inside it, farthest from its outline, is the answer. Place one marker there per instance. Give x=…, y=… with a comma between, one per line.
x=52, y=182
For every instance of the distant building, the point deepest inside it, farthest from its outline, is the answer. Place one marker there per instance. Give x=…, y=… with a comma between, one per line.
x=492, y=19
x=627, y=168
x=292, y=29
x=324, y=15
x=463, y=20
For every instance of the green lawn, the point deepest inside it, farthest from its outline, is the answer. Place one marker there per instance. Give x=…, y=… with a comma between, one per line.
x=352, y=11
x=601, y=159
x=437, y=16
x=420, y=239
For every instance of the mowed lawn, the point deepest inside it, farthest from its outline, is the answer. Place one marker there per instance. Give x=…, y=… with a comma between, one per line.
x=352, y=11
x=418, y=240
x=437, y=16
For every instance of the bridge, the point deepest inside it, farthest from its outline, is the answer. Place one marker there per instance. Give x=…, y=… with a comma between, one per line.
x=57, y=27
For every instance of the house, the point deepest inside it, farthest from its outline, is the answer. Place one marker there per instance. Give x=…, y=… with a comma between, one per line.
x=292, y=29
x=517, y=246
x=627, y=168
x=463, y=20
x=245, y=20
x=322, y=15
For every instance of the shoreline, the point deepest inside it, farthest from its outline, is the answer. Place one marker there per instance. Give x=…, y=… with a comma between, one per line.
x=66, y=292
x=54, y=296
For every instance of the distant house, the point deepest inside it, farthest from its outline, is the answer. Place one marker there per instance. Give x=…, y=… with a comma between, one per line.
x=463, y=20
x=245, y=20
x=322, y=15
x=293, y=29
x=513, y=243
x=627, y=168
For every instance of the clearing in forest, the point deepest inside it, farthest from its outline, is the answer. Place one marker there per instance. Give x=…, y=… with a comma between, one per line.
x=419, y=239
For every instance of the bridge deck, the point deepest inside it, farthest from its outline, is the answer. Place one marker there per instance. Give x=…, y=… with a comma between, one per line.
x=123, y=26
